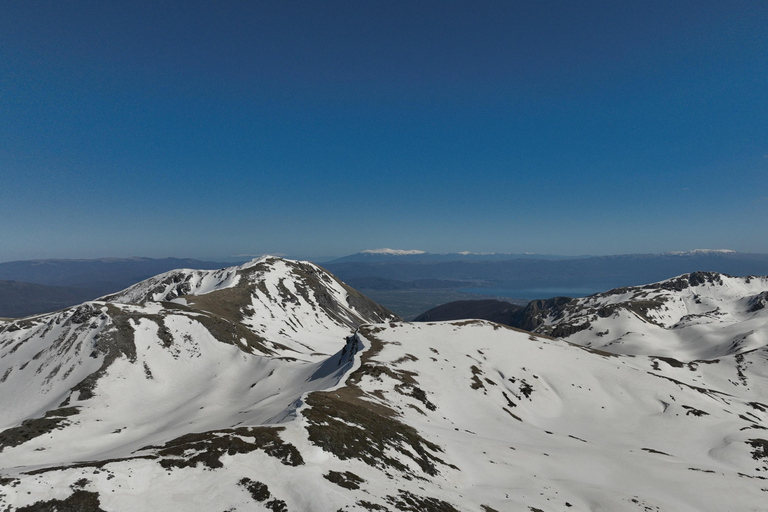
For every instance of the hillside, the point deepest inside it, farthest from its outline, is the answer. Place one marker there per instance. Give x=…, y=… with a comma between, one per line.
x=701, y=315
x=490, y=309
x=272, y=386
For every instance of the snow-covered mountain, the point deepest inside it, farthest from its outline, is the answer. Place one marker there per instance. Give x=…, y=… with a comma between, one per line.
x=288, y=304
x=109, y=369
x=393, y=252
x=157, y=398
x=701, y=251
x=696, y=316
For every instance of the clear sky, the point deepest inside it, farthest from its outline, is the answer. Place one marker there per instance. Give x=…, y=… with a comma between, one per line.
x=212, y=129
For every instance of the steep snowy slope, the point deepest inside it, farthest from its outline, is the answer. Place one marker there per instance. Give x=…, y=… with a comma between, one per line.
x=702, y=315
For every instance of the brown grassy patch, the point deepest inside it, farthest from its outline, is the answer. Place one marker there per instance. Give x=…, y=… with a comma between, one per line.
x=78, y=501
x=347, y=479
x=207, y=448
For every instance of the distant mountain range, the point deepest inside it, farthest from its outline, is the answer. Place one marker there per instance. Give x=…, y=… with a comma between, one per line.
x=407, y=281
x=379, y=255
x=96, y=274
x=398, y=279
x=19, y=299
x=513, y=272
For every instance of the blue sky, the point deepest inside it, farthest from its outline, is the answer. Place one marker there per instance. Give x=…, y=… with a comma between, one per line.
x=211, y=129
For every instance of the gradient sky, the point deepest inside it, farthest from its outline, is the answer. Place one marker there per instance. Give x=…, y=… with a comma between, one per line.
x=212, y=129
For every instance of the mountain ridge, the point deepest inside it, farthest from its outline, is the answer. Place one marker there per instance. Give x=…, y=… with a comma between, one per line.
x=400, y=255
x=52, y=284
x=599, y=272
x=413, y=286
x=150, y=399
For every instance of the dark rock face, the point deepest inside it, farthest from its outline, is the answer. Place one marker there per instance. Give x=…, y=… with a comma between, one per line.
x=181, y=287
x=686, y=280
x=676, y=284
x=758, y=302
x=528, y=318
x=347, y=480
x=83, y=313
x=532, y=316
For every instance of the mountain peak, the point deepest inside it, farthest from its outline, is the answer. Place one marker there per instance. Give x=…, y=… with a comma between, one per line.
x=696, y=252
x=255, y=261
x=394, y=252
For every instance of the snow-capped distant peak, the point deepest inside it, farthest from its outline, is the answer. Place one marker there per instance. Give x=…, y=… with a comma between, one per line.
x=397, y=252
x=701, y=251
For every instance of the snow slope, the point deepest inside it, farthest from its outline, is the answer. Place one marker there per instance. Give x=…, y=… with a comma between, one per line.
x=697, y=316
x=448, y=416
x=293, y=305
x=464, y=416
x=245, y=344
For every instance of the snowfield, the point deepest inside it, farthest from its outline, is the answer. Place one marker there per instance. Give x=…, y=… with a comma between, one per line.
x=275, y=387
x=699, y=316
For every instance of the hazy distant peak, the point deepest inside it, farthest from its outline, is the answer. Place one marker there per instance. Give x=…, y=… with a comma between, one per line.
x=397, y=252
x=702, y=251
x=401, y=256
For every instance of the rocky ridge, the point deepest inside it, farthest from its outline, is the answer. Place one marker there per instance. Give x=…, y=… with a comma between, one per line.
x=695, y=316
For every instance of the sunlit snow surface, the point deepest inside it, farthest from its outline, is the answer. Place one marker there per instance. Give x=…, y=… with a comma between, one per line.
x=719, y=315
x=463, y=415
